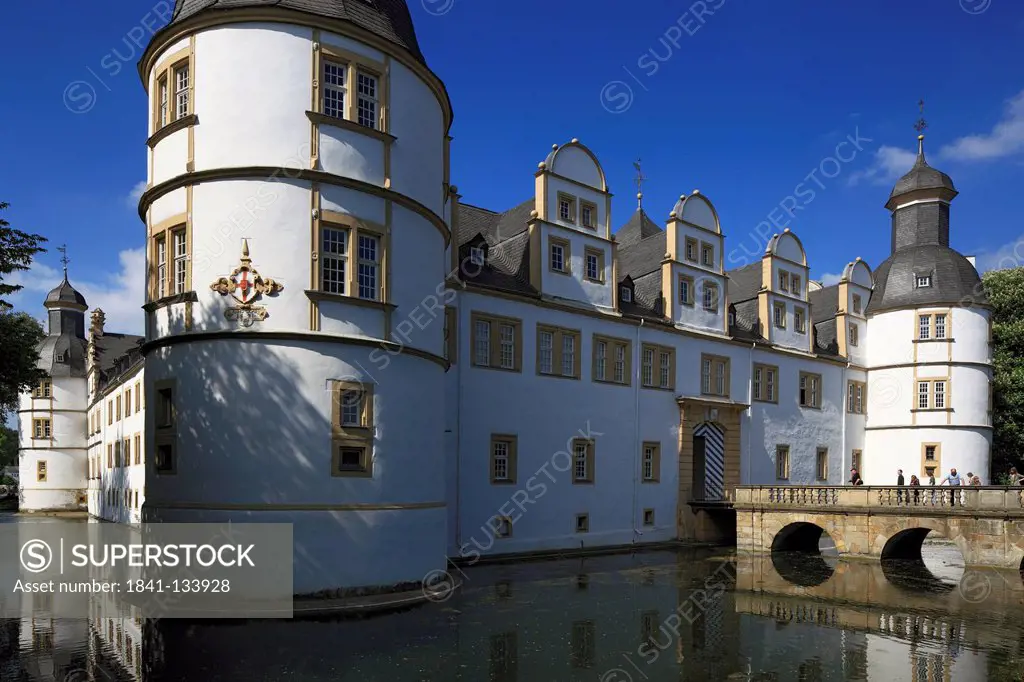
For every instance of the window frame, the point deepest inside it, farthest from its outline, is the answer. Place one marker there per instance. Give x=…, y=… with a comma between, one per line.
x=856, y=397
x=354, y=65
x=813, y=390
x=598, y=255
x=566, y=247
x=588, y=206
x=783, y=281
x=715, y=361
x=166, y=431
x=512, y=463
x=759, y=393
x=558, y=336
x=795, y=285
x=42, y=428
x=590, y=461
x=494, y=341
x=705, y=248
x=44, y=389
x=165, y=92
x=611, y=345
x=348, y=437
x=691, y=245
x=164, y=261
x=354, y=229
x=853, y=334
x=656, y=366
x=571, y=202
x=710, y=287
x=857, y=304
x=821, y=463
x=799, y=320
x=779, y=321
x=690, y=299
x=42, y=471
x=655, y=451
x=782, y=470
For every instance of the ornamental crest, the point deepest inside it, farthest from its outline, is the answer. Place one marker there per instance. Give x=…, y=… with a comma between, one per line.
x=246, y=286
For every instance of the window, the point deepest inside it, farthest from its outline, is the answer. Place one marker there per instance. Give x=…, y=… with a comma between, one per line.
x=582, y=523
x=369, y=267
x=558, y=260
x=367, y=106
x=352, y=88
x=931, y=394
x=594, y=270
x=691, y=249
x=855, y=462
x=822, y=464
x=127, y=452
x=41, y=471
x=334, y=89
x=180, y=259
x=924, y=326
x=166, y=419
x=582, y=460
x=625, y=294
x=117, y=410
x=127, y=402
x=648, y=517
x=476, y=255
x=502, y=526
x=566, y=208
x=171, y=252
x=783, y=281
x=685, y=290
x=922, y=395
x=161, y=267
x=940, y=326
x=782, y=462
x=657, y=369
x=352, y=428
x=173, y=94
x=800, y=320
x=810, y=390
x=854, y=335
x=41, y=428
x=780, y=315
x=558, y=352
x=503, y=458
x=764, y=380
x=710, y=297
x=929, y=452
x=939, y=395
x=921, y=281
x=588, y=214
x=118, y=462
x=650, y=463
x=497, y=342
x=45, y=388
x=714, y=375
x=612, y=360
x=855, y=391
x=138, y=396
x=340, y=245
x=856, y=303
x=351, y=461
x=138, y=449
x=707, y=255
x=795, y=285
x=110, y=455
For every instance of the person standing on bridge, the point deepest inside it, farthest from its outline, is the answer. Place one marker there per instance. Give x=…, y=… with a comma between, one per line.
x=972, y=479
x=900, y=482
x=855, y=478
x=954, y=481
x=915, y=483
x=1015, y=478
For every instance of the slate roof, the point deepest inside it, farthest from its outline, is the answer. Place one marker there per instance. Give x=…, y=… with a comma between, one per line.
x=389, y=19
x=118, y=354
x=65, y=295
x=954, y=280
x=639, y=227
x=922, y=176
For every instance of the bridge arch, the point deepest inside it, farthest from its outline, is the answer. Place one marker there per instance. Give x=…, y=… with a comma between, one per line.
x=902, y=539
x=802, y=534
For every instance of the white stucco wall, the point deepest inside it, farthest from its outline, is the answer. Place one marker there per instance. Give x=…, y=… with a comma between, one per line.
x=107, y=491
x=694, y=316
x=64, y=453
x=574, y=286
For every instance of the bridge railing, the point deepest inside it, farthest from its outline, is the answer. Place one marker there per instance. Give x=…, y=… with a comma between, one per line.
x=929, y=497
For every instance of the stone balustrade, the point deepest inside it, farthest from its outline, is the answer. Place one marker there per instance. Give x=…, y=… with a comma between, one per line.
x=949, y=498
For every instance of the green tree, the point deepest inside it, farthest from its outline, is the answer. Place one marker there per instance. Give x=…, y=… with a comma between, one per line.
x=17, y=249
x=8, y=447
x=20, y=333
x=1005, y=290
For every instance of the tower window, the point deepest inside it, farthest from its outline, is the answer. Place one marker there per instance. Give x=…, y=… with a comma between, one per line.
x=341, y=245
x=172, y=97
x=921, y=281
x=334, y=90
x=369, y=267
x=41, y=428
x=367, y=89
x=180, y=258
x=181, y=81
x=44, y=389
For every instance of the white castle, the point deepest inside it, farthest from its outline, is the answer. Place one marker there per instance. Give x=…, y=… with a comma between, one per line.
x=333, y=340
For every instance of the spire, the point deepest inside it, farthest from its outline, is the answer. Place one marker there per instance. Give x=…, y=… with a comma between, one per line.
x=919, y=127
x=639, y=182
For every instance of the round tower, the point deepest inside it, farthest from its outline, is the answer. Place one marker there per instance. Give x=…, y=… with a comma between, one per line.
x=297, y=188
x=929, y=358
x=52, y=416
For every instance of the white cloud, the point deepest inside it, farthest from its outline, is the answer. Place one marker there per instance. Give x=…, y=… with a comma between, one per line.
x=120, y=295
x=1009, y=255
x=133, y=197
x=828, y=279
x=888, y=164
x=1005, y=139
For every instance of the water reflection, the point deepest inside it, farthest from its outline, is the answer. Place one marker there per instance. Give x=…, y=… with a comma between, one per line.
x=667, y=615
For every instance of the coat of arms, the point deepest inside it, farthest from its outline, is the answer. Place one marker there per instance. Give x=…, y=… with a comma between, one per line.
x=246, y=286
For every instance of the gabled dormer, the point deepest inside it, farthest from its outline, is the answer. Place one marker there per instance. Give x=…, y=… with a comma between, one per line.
x=692, y=273
x=851, y=319
x=570, y=235
x=783, y=306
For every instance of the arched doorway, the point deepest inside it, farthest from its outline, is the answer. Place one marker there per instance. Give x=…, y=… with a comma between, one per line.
x=709, y=462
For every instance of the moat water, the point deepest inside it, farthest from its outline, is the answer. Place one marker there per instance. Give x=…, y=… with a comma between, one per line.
x=648, y=616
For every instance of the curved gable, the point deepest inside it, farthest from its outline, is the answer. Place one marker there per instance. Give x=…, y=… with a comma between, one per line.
x=787, y=245
x=697, y=209
x=858, y=273
x=576, y=162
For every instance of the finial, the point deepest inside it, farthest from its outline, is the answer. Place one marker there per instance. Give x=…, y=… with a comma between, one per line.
x=919, y=127
x=639, y=181
x=63, y=248
x=245, y=249
x=575, y=140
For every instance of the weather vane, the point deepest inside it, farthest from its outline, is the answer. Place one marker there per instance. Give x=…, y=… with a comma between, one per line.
x=63, y=248
x=639, y=184
x=921, y=123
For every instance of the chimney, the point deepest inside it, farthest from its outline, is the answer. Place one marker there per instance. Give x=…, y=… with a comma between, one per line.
x=97, y=321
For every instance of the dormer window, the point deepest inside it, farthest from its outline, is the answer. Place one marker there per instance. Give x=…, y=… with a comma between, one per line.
x=588, y=214
x=921, y=281
x=566, y=208
x=625, y=294
x=476, y=256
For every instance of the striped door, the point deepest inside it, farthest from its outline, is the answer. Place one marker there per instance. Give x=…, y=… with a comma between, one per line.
x=714, y=460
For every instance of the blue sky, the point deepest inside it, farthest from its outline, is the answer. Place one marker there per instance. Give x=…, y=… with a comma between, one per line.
x=743, y=103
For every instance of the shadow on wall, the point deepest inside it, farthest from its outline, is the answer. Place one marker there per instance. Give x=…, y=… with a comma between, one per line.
x=241, y=420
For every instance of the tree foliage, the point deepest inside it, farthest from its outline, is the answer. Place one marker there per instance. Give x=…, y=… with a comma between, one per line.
x=1005, y=290
x=20, y=334
x=8, y=448
x=17, y=249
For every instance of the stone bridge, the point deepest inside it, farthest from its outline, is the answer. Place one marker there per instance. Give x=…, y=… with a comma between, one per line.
x=884, y=522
